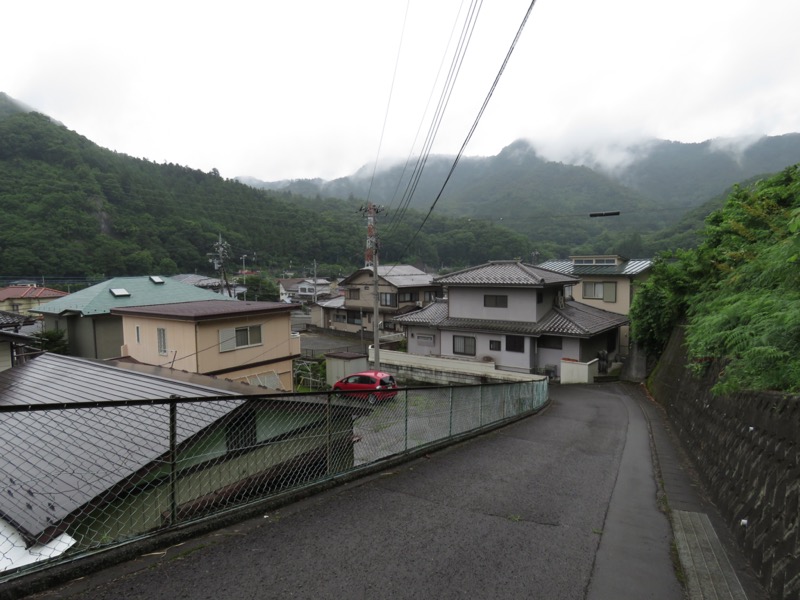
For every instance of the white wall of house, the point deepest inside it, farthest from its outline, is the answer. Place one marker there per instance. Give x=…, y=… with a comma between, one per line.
x=468, y=303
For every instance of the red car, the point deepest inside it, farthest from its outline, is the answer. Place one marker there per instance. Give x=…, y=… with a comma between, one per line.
x=369, y=385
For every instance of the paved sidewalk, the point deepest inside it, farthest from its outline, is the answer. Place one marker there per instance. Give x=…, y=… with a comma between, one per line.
x=712, y=565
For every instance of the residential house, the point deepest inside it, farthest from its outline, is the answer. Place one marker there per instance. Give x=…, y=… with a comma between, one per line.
x=606, y=281
x=514, y=315
x=22, y=298
x=241, y=341
x=329, y=313
x=304, y=289
x=92, y=331
x=13, y=344
x=400, y=289
x=144, y=450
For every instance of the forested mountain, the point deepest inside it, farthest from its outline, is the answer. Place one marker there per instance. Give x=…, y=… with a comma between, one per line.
x=70, y=207
x=656, y=185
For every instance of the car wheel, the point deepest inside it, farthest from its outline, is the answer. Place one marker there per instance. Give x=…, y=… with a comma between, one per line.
x=372, y=398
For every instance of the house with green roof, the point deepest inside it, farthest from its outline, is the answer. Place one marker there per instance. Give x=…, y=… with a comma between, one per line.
x=92, y=331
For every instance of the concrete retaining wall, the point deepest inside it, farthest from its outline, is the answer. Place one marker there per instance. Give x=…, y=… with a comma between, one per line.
x=444, y=371
x=746, y=447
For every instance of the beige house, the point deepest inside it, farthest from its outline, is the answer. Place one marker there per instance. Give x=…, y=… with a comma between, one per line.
x=606, y=281
x=22, y=298
x=241, y=341
x=400, y=289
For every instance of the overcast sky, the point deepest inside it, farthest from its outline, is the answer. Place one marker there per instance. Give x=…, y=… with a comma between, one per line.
x=279, y=89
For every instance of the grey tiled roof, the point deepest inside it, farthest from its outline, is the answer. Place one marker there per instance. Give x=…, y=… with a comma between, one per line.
x=629, y=267
x=430, y=315
x=143, y=291
x=506, y=273
x=13, y=320
x=574, y=320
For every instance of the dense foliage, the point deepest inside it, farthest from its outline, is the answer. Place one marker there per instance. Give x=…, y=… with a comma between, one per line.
x=739, y=290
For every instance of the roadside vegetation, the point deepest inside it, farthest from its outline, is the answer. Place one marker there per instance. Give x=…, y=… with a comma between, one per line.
x=738, y=292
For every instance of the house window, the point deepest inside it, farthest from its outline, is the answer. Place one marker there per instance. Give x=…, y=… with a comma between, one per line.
x=551, y=341
x=239, y=337
x=600, y=290
x=515, y=343
x=354, y=317
x=138, y=337
x=340, y=317
x=388, y=299
x=463, y=344
x=248, y=336
x=429, y=296
x=539, y=296
x=494, y=345
x=424, y=339
x=354, y=294
x=408, y=296
x=495, y=301
x=161, y=333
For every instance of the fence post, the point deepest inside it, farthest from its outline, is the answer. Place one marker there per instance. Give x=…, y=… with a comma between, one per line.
x=173, y=459
x=328, y=431
x=450, y=433
x=405, y=436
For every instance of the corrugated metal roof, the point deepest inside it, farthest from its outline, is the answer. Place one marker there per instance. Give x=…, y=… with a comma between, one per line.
x=206, y=309
x=81, y=453
x=574, y=320
x=505, y=273
x=629, y=267
x=98, y=299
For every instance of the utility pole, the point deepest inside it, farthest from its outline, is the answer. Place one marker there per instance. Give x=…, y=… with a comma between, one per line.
x=371, y=260
x=222, y=251
x=315, y=281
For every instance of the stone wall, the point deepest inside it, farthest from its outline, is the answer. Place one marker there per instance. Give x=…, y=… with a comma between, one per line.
x=746, y=447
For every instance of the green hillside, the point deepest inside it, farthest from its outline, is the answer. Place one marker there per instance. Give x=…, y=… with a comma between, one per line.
x=738, y=291
x=72, y=208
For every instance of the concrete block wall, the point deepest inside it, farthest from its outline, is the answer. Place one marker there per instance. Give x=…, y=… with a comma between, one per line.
x=746, y=447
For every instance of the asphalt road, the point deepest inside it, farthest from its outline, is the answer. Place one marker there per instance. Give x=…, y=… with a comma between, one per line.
x=559, y=505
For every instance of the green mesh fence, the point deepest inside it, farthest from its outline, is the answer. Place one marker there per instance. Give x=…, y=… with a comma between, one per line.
x=75, y=479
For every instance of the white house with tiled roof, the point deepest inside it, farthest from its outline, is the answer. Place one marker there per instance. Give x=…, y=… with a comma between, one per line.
x=607, y=281
x=514, y=315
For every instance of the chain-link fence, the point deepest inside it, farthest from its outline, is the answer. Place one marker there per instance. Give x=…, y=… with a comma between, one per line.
x=81, y=477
